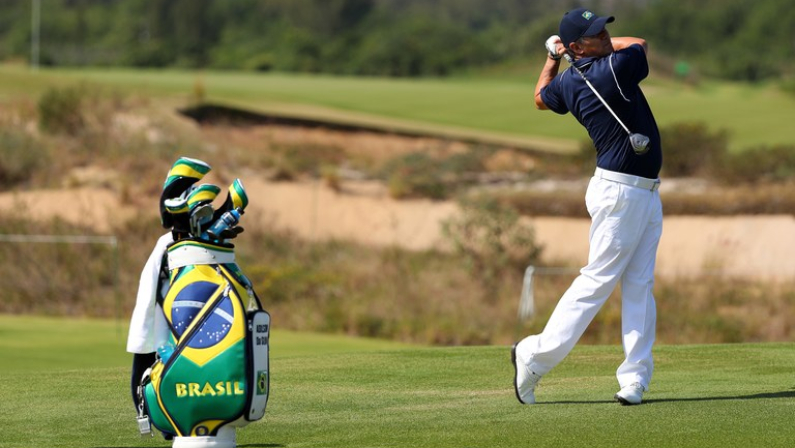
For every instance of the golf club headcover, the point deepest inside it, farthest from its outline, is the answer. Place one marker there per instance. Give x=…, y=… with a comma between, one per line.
x=225, y=220
x=183, y=174
x=236, y=198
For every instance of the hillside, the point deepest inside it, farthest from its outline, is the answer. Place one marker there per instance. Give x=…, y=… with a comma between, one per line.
x=496, y=108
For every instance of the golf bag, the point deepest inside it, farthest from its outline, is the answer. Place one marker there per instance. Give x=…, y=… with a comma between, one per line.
x=215, y=371
x=212, y=373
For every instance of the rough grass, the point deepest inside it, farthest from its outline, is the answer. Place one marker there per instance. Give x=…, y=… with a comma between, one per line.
x=343, y=288
x=341, y=392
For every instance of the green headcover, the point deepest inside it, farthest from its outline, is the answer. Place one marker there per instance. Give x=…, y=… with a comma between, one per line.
x=183, y=174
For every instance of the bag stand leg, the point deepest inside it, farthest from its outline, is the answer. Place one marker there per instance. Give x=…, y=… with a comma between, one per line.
x=226, y=438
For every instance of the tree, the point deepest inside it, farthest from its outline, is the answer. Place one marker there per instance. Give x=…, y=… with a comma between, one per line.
x=734, y=39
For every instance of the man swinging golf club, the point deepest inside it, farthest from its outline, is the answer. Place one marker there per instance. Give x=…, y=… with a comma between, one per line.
x=602, y=92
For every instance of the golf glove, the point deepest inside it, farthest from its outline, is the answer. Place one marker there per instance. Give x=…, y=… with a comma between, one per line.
x=552, y=46
x=232, y=232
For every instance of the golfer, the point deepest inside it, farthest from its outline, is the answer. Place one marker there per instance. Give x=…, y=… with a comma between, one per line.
x=622, y=200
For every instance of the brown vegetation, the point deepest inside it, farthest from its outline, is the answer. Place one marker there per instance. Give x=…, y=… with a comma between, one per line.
x=418, y=296
x=125, y=145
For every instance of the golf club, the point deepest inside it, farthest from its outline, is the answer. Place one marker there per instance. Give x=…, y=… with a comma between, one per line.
x=639, y=142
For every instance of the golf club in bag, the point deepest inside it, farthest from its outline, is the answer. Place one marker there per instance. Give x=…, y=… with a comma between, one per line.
x=639, y=142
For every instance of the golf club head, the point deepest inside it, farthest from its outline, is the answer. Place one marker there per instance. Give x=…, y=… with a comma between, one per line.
x=200, y=217
x=640, y=143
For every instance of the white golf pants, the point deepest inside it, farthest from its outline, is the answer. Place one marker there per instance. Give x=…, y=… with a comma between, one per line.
x=626, y=225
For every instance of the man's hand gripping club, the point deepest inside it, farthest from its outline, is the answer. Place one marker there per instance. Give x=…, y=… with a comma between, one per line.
x=552, y=44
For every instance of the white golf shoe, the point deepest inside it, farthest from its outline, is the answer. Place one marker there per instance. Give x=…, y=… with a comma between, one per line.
x=525, y=380
x=632, y=394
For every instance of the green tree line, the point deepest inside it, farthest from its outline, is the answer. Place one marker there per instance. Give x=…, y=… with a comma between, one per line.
x=731, y=39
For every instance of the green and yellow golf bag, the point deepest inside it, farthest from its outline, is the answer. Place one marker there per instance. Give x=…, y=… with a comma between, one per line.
x=213, y=372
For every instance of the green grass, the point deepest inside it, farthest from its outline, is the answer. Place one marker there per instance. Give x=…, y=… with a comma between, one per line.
x=493, y=108
x=69, y=388
x=39, y=343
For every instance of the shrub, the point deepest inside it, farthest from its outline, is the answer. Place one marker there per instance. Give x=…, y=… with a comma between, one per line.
x=770, y=164
x=331, y=177
x=414, y=175
x=788, y=86
x=293, y=161
x=585, y=158
x=23, y=156
x=199, y=93
x=553, y=203
x=690, y=149
x=261, y=62
x=460, y=164
x=491, y=238
x=61, y=110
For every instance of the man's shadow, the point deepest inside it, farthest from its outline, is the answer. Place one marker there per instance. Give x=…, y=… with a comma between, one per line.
x=261, y=445
x=783, y=394
x=248, y=445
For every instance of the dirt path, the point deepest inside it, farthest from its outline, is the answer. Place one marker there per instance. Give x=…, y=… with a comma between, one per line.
x=752, y=246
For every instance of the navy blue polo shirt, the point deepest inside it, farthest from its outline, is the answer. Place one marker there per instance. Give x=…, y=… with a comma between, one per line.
x=616, y=77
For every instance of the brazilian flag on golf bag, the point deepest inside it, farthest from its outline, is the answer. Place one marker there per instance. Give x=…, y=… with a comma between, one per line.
x=217, y=374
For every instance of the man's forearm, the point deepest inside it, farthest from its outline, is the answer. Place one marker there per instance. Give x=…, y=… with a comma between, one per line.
x=620, y=43
x=548, y=73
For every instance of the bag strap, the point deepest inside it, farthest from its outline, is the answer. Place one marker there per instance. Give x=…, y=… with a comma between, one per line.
x=163, y=278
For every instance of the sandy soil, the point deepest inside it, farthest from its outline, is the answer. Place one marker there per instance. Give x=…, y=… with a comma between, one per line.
x=96, y=208
x=752, y=246
x=745, y=246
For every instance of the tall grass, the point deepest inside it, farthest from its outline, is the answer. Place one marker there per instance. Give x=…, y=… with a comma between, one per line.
x=706, y=309
x=336, y=287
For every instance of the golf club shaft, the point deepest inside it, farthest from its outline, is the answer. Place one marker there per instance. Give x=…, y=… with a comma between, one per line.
x=593, y=89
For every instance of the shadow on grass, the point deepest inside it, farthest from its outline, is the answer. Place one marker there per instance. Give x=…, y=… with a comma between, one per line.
x=783, y=394
x=574, y=402
x=260, y=445
x=249, y=445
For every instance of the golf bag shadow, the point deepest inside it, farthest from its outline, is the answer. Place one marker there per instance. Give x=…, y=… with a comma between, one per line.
x=213, y=376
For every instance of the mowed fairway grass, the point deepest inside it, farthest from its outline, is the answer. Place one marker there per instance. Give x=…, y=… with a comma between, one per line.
x=496, y=108
x=65, y=383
